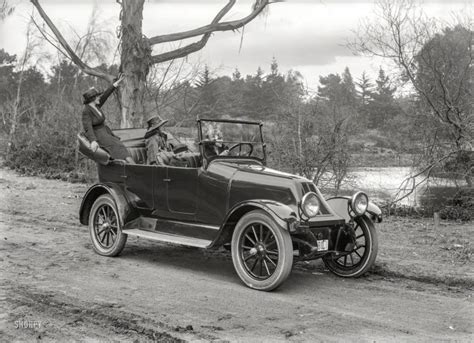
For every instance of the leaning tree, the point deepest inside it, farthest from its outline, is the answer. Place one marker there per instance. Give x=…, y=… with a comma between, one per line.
x=136, y=50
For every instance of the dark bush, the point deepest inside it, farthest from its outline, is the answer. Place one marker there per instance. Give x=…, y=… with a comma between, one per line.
x=456, y=213
x=460, y=166
x=47, y=145
x=406, y=211
x=460, y=207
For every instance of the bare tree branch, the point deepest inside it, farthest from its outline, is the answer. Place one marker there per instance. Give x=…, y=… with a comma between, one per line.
x=401, y=33
x=214, y=26
x=410, y=183
x=69, y=52
x=206, y=31
x=5, y=9
x=48, y=38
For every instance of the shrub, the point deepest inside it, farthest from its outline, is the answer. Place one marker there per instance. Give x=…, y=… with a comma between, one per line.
x=460, y=206
x=456, y=213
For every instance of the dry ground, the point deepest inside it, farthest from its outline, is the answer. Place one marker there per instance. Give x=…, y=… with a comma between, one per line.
x=420, y=289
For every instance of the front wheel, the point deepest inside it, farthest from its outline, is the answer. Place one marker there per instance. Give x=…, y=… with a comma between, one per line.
x=358, y=261
x=262, y=252
x=104, y=227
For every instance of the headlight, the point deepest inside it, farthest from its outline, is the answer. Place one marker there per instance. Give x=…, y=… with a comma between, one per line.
x=310, y=204
x=359, y=203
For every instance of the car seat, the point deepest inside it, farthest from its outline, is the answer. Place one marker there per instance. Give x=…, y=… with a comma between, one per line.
x=137, y=149
x=191, y=159
x=138, y=154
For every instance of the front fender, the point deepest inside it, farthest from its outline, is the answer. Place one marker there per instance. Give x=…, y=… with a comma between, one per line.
x=282, y=214
x=122, y=204
x=375, y=212
x=340, y=205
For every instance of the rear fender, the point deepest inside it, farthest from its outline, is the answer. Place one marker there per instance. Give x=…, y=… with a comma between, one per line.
x=282, y=214
x=123, y=207
x=340, y=205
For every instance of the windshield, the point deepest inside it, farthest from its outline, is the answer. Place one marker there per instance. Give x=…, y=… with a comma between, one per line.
x=229, y=138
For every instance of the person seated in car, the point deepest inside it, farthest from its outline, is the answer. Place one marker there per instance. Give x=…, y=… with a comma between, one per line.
x=95, y=129
x=163, y=151
x=213, y=144
x=157, y=148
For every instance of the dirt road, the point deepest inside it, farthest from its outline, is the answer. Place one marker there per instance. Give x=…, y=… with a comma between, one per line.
x=53, y=284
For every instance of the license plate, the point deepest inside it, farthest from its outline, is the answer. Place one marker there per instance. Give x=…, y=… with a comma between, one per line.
x=323, y=244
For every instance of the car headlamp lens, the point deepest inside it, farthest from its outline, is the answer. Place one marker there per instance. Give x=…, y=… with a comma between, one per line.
x=310, y=205
x=359, y=203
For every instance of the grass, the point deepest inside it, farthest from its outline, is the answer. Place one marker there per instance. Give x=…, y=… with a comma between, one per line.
x=416, y=248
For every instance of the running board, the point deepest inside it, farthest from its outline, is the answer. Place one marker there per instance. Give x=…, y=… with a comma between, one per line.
x=169, y=238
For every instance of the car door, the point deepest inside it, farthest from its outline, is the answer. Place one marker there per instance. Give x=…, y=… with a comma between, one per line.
x=182, y=192
x=139, y=181
x=213, y=193
x=160, y=204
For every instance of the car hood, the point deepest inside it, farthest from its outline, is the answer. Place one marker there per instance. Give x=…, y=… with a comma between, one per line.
x=254, y=168
x=250, y=181
x=253, y=181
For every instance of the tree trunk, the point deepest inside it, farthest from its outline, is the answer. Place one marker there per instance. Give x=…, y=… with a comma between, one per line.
x=136, y=51
x=16, y=108
x=135, y=62
x=468, y=179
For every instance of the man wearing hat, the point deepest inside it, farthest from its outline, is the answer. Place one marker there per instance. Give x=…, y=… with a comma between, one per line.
x=157, y=149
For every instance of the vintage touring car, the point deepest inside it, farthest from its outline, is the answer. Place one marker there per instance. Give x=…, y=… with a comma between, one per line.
x=268, y=219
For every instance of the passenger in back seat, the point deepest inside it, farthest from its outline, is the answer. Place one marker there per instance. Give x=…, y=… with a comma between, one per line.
x=162, y=152
x=157, y=150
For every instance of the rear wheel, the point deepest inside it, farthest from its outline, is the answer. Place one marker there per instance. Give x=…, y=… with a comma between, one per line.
x=104, y=227
x=262, y=252
x=358, y=261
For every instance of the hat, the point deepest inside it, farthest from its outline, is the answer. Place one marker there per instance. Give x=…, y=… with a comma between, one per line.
x=155, y=122
x=90, y=95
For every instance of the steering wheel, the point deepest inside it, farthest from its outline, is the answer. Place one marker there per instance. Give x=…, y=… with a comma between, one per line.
x=239, y=145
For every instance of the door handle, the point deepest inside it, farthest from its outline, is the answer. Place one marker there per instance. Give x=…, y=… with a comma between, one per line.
x=167, y=180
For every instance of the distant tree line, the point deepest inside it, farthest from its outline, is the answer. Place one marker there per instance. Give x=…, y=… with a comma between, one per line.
x=309, y=134
x=347, y=121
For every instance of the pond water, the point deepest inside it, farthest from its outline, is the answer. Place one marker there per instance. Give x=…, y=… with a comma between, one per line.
x=384, y=184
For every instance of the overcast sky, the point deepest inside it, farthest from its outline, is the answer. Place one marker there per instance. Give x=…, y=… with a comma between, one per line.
x=304, y=35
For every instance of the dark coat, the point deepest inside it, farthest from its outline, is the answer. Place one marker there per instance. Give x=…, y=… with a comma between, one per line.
x=155, y=142
x=93, y=122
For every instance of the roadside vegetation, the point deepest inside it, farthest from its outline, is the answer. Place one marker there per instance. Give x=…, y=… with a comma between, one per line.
x=417, y=113
x=415, y=249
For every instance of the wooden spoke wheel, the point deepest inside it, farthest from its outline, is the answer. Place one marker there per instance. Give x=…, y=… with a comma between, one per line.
x=262, y=252
x=358, y=261
x=104, y=227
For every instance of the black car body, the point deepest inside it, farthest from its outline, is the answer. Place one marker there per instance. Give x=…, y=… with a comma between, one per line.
x=229, y=199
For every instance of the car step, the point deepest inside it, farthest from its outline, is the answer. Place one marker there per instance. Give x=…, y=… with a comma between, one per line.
x=169, y=238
